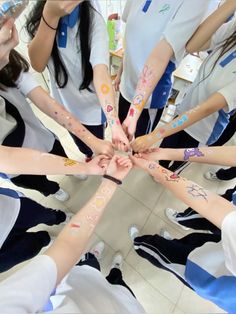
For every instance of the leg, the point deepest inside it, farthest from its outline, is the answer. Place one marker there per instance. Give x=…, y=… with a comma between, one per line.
x=123, y=108
x=226, y=174
x=97, y=130
x=171, y=255
x=21, y=247
x=148, y=121
x=36, y=182
x=115, y=278
x=178, y=140
x=90, y=260
x=229, y=194
x=191, y=219
x=32, y=213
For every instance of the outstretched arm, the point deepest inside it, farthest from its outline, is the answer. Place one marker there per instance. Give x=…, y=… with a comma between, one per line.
x=209, y=205
x=224, y=156
x=103, y=85
x=58, y=113
x=29, y=161
x=214, y=103
x=201, y=39
x=71, y=242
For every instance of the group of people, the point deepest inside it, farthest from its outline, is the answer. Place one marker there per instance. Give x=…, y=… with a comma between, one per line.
x=70, y=39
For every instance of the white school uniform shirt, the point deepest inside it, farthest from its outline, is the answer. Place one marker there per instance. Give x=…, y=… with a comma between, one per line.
x=84, y=105
x=222, y=80
x=84, y=290
x=211, y=268
x=9, y=211
x=147, y=22
x=37, y=136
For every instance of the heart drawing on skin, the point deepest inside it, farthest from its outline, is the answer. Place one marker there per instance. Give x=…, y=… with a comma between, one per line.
x=109, y=108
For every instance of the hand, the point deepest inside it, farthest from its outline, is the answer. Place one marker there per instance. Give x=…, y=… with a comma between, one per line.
x=119, y=139
x=129, y=127
x=139, y=162
x=143, y=143
x=153, y=154
x=119, y=167
x=102, y=147
x=116, y=83
x=98, y=165
x=8, y=40
x=57, y=8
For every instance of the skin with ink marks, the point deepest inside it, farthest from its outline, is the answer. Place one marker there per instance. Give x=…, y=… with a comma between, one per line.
x=109, y=108
x=197, y=191
x=69, y=162
x=173, y=178
x=131, y=112
x=192, y=152
x=75, y=225
x=179, y=122
x=105, y=89
x=152, y=166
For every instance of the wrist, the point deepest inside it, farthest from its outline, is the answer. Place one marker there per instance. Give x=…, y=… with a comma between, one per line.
x=50, y=17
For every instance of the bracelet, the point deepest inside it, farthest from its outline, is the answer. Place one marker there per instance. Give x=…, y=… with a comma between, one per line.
x=43, y=18
x=117, y=181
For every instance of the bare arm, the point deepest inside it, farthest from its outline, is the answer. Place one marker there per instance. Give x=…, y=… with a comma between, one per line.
x=57, y=112
x=71, y=242
x=201, y=39
x=29, y=161
x=152, y=72
x=214, y=103
x=224, y=156
x=40, y=48
x=209, y=205
x=106, y=96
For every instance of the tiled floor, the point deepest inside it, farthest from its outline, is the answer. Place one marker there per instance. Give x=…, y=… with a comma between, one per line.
x=140, y=200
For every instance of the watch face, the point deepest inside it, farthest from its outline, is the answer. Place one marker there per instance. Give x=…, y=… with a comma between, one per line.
x=11, y=8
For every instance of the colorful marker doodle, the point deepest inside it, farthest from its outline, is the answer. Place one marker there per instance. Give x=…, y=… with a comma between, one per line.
x=105, y=89
x=109, y=108
x=131, y=112
x=173, y=178
x=69, y=162
x=152, y=166
x=179, y=122
x=191, y=152
x=197, y=191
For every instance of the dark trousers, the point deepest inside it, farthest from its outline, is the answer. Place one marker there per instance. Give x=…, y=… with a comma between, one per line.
x=97, y=130
x=21, y=245
x=191, y=219
x=178, y=140
x=115, y=275
x=40, y=182
x=226, y=174
x=167, y=254
x=228, y=133
x=144, y=125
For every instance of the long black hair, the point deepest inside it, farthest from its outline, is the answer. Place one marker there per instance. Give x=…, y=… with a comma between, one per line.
x=84, y=31
x=11, y=72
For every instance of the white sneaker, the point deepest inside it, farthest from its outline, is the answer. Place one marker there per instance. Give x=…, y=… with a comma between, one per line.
x=133, y=232
x=81, y=177
x=171, y=215
x=117, y=261
x=98, y=250
x=211, y=175
x=61, y=195
x=165, y=234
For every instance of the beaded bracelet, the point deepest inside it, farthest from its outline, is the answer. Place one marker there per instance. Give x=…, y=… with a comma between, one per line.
x=117, y=181
x=43, y=18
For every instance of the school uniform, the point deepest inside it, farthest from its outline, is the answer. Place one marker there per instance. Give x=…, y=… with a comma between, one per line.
x=83, y=104
x=21, y=128
x=18, y=214
x=83, y=290
x=147, y=22
x=204, y=262
x=220, y=79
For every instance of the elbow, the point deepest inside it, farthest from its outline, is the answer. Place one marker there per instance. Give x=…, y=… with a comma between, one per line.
x=35, y=62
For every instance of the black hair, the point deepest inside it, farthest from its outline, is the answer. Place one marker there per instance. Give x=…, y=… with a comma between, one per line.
x=84, y=31
x=225, y=46
x=11, y=72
